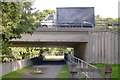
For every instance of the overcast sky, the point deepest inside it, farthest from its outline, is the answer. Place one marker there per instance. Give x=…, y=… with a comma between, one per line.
x=105, y=8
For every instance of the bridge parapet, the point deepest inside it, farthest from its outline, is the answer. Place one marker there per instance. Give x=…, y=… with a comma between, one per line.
x=66, y=29
x=55, y=35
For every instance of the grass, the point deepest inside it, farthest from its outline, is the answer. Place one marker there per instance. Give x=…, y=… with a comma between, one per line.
x=115, y=69
x=64, y=73
x=115, y=73
x=16, y=74
x=100, y=66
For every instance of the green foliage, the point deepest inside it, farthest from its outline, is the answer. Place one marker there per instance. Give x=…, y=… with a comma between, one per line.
x=64, y=73
x=103, y=22
x=18, y=53
x=17, y=18
x=57, y=51
x=115, y=67
x=44, y=13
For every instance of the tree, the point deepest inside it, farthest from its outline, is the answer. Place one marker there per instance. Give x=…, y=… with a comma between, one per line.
x=44, y=13
x=106, y=22
x=17, y=18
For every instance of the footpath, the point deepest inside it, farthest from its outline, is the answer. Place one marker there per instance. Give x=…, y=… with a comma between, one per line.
x=50, y=70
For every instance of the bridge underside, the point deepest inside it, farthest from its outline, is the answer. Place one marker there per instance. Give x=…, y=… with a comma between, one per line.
x=45, y=44
x=76, y=38
x=80, y=48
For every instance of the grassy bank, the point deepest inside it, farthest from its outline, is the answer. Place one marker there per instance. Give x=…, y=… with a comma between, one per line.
x=64, y=73
x=115, y=69
x=16, y=74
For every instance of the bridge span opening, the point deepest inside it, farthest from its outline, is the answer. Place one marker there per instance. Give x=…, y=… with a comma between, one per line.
x=79, y=48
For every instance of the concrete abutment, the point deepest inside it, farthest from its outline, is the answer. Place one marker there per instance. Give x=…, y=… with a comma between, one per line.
x=80, y=51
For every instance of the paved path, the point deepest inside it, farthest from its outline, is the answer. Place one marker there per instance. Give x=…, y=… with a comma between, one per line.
x=94, y=75
x=51, y=70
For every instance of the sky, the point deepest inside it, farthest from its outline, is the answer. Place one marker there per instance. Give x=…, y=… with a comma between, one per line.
x=104, y=8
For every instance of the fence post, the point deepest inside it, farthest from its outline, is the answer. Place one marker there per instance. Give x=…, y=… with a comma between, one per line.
x=73, y=71
x=81, y=64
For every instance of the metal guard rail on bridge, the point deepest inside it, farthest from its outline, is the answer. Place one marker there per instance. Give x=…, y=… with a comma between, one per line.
x=67, y=24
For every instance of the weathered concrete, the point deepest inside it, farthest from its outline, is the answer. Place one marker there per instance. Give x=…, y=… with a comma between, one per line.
x=52, y=35
x=80, y=51
x=44, y=44
x=12, y=66
x=92, y=45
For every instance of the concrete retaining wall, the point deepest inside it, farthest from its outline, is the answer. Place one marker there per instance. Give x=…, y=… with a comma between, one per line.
x=103, y=47
x=12, y=66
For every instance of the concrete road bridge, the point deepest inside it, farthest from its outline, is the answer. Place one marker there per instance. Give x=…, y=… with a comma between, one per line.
x=91, y=45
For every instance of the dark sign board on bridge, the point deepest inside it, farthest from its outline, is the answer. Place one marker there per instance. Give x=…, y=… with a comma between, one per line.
x=75, y=16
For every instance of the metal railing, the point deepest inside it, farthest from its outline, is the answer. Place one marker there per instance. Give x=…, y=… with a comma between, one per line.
x=80, y=68
x=66, y=24
x=71, y=24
